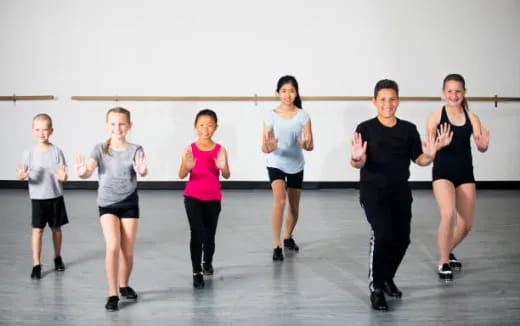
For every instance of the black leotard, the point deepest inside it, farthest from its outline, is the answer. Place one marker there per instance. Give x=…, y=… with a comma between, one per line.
x=454, y=162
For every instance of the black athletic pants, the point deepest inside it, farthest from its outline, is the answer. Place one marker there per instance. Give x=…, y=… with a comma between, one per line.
x=203, y=219
x=389, y=212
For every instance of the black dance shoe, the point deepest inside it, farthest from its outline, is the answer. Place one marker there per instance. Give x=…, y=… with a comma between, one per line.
x=391, y=289
x=378, y=300
x=277, y=254
x=128, y=292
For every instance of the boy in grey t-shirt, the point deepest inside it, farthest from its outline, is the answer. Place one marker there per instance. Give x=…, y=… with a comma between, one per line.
x=44, y=167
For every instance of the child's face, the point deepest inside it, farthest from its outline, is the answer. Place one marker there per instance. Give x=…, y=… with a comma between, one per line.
x=386, y=103
x=453, y=92
x=205, y=127
x=41, y=131
x=287, y=94
x=118, y=125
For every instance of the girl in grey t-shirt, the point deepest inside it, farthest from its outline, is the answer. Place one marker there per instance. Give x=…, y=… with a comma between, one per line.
x=118, y=163
x=287, y=131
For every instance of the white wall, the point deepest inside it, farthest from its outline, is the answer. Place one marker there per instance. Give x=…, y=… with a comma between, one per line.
x=236, y=47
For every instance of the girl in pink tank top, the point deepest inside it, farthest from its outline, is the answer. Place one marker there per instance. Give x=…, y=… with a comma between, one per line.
x=204, y=161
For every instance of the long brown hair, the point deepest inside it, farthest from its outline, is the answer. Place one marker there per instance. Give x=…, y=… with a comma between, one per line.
x=460, y=79
x=117, y=109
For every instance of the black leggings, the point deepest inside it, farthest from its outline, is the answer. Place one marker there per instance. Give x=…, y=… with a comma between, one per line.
x=203, y=219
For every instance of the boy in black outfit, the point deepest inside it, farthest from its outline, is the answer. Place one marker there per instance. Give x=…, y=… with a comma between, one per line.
x=382, y=148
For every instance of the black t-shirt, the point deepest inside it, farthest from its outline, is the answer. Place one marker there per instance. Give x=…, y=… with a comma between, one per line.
x=389, y=151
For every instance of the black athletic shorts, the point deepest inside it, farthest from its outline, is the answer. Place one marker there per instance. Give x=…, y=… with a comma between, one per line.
x=49, y=211
x=127, y=208
x=292, y=180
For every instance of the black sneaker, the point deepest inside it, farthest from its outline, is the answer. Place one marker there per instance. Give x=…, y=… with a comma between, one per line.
x=198, y=280
x=290, y=244
x=277, y=254
x=454, y=262
x=112, y=303
x=128, y=292
x=36, y=273
x=391, y=289
x=445, y=272
x=58, y=264
x=207, y=268
x=378, y=300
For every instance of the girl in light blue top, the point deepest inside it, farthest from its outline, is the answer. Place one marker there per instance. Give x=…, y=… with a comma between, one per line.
x=287, y=130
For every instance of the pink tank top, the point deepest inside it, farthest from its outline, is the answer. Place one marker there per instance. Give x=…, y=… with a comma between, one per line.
x=204, y=181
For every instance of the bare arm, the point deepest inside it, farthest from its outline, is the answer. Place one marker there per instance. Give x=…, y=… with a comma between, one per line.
x=480, y=133
x=306, y=140
x=269, y=143
x=85, y=169
x=222, y=163
x=187, y=163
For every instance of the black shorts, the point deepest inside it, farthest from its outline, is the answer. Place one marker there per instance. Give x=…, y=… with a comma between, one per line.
x=49, y=211
x=127, y=208
x=292, y=180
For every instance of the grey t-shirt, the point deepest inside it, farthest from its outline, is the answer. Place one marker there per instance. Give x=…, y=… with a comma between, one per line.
x=288, y=155
x=117, y=178
x=42, y=165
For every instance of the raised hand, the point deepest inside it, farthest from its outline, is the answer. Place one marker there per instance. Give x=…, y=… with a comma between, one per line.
x=61, y=173
x=22, y=171
x=140, y=165
x=80, y=165
x=444, y=135
x=189, y=160
x=482, y=139
x=270, y=143
x=358, y=147
x=429, y=147
x=221, y=160
x=305, y=140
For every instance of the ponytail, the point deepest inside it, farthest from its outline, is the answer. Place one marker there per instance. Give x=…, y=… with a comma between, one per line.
x=106, y=147
x=298, y=101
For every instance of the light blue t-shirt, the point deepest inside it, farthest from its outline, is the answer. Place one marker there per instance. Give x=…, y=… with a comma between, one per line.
x=288, y=155
x=43, y=184
x=117, y=178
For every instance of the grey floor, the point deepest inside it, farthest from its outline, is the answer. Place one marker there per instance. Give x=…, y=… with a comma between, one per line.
x=325, y=284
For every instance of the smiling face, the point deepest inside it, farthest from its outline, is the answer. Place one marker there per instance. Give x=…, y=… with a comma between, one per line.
x=118, y=125
x=454, y=92
x=41, y=131
x=205, y=126
x=386, y=103
x=287, y=94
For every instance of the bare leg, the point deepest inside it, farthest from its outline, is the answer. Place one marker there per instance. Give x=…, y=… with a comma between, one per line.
x=293, y=195
x=444, y=192
x=278, y=187
x=465, y=194
x=112, y=233
x=128, y=235
x=57, y=238
x=36, y=242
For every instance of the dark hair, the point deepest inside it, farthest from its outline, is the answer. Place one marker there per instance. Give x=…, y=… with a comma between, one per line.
x=120, y=110
x=460, y=79
x=207, y=112
x=291, y=80
x=386, y=83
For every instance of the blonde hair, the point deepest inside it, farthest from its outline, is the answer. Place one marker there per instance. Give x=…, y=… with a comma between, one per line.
x=45, y=117
x=117, y=109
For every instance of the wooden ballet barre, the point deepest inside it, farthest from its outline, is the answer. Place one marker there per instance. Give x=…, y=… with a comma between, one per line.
x=274, y=98
x=26, y=97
